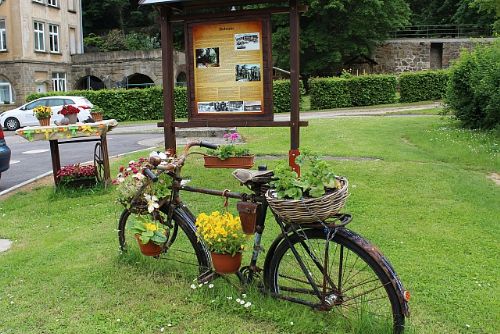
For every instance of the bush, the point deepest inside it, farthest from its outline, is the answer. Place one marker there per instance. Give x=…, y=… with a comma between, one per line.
x=329, y=93
x=129, y=104
x=473, y=92
x=368, y=90
x=282, y=96
x=363, y=90
x=423, y=86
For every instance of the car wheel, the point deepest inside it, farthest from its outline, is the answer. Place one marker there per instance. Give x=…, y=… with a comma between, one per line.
x=12, y=124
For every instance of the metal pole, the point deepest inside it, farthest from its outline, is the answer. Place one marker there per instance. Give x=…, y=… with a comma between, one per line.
x=168, y=79
x=294, y=79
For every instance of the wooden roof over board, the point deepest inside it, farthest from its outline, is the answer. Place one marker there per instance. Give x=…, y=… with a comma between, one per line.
x=203, y=3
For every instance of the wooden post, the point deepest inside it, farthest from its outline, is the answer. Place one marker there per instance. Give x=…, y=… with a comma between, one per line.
x=295, y=84
x=168, y=79
x=56, y=160
x=105, y=159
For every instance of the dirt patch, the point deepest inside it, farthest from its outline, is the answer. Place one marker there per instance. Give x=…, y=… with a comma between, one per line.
x=495, y=177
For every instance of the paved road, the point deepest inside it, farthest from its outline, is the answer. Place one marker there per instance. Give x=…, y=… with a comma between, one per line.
x=31, y=160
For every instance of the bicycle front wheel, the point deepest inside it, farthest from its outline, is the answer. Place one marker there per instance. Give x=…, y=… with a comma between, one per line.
x=338, y=276
x=186, y=255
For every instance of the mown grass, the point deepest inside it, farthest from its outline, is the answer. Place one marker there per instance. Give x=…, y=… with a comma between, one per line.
x=419, y=191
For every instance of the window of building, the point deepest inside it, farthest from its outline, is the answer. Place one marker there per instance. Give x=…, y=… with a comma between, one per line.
x=5, y=92
x=72, y=5
x=39, y=1
x=59, y=82
x=39, y=36
x=54, y=37
x=3, y=36
x=53, y=3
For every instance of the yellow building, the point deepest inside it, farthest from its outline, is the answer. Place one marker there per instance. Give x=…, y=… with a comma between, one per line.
x=37, y=39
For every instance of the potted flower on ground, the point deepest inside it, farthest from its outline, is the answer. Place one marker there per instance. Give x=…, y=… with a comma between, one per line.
x=223, y=236
x=314, y=196
x=77, y=175
x=43, y=113
x=230, y=155
x=70, y=112
x=96, y=113
x=150, y=234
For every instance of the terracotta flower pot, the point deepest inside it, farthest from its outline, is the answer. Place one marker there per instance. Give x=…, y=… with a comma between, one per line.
x=248, y=216
x=233, y=162
x=226, y=263
x=149, y=249
x=44, y=121
x=96, y=116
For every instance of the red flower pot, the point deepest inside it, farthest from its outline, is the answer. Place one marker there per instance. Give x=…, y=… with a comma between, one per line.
x=149, y=249
x=226, y=263
x=233, y=162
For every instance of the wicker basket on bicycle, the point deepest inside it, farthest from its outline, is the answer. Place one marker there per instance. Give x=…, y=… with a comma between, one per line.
x=309, y=210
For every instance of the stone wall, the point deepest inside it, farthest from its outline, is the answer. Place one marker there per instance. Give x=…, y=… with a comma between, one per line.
x=401, y=55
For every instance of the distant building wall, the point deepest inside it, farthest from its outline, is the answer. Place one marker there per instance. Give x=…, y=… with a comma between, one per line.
x=401, y=55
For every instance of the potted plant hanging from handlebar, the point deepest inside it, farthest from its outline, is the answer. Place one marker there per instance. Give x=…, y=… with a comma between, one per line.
x=230, y=155
x=313, y=197
x=222, y=234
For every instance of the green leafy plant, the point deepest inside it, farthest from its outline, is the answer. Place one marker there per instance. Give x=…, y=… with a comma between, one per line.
x=224, y=152
x=149, y=230
x=317, y=178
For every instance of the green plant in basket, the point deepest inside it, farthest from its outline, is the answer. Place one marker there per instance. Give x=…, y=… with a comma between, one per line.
x=317, y=178
x=149, y=230
x=42, y=112
x=221, y=232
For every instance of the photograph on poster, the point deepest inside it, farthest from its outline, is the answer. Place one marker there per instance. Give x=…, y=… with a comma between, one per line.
x=221, y=106
x=207, y=57
x=247, y=41
x=247, y=72
x=253, y=106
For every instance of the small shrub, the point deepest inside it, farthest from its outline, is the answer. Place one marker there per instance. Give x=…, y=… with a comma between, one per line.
x=423, y=86
x=329, y=93
x=282, y=96
x=368, y=90
x=473, y=92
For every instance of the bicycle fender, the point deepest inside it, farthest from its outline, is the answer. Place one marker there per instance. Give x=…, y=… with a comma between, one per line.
x=377, y=255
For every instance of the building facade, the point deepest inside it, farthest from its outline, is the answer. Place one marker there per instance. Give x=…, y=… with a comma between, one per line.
x=37, y=40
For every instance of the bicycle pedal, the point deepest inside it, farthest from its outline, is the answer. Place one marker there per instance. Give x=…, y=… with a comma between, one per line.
x=207, y=277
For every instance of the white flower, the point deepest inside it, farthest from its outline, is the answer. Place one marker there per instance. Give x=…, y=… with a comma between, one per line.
x=244, y=295
x=193, y=286
x=247, y=304
x=229, y=297
x=200, y=285
x=210, y=286
x=138, y=176
x=291, y=323
x=162, y=329
x=242, y=302
x=169, y=325
x=238, y=300
x=152, y=203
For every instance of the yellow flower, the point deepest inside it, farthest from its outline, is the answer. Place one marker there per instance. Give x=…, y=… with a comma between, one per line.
x=151, y=227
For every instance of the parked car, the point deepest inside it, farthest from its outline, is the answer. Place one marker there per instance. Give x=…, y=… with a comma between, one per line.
x=4, y=154
x=23, y=115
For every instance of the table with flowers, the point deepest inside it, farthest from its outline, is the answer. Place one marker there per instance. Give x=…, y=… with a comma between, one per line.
x=73, y=133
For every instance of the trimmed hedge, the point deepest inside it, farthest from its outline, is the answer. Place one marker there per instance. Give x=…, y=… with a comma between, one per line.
x=423, y=86
x=128, y=104
x=282, y=96
x=363, y=90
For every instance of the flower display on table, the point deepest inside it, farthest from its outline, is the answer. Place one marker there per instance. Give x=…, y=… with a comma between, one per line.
x=77, y=174
x=69, y=109
x=42, y=112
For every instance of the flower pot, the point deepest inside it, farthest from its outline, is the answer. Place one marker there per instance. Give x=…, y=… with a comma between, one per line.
x=96, y=116
x=149, y=249
x=44, y=121
x=233, y=162
x=226, y=263
x=73, y=118
x=248, y=216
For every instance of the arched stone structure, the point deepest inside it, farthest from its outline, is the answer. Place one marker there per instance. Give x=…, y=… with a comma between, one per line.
x=138, y=80
x=181, y=79
x=90, y=82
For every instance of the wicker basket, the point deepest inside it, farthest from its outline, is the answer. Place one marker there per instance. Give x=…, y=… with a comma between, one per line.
x=309, y=210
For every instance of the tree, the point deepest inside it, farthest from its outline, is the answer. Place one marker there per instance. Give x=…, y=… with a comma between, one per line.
x=333, y=31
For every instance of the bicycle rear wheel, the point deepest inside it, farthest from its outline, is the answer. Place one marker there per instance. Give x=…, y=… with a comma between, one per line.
x=186, y=255
x=355, y=286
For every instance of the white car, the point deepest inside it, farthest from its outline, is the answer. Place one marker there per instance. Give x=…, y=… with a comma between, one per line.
x=23, y=115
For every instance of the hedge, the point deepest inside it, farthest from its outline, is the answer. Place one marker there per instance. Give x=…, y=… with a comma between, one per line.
x=128, y=104
x=423, y=86
x=282, y=97
x=363, y=90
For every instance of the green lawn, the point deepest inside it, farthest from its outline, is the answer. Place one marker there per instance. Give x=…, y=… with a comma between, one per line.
x=419, y=190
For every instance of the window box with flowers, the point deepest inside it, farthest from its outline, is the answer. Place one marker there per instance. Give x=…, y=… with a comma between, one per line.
x=43, y=114
x=77, y=175
x=230, y=155
x=222, y=234
x=70, y=112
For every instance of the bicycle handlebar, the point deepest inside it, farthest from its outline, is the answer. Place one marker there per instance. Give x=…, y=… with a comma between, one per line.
x=150, y=174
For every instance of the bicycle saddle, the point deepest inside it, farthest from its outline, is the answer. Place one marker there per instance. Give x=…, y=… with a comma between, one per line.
x=255, y=176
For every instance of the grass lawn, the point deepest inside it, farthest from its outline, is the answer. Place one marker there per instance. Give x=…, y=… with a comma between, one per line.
x=419, y=190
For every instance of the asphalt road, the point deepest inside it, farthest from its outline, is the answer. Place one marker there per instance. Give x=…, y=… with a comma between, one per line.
x=31, y=160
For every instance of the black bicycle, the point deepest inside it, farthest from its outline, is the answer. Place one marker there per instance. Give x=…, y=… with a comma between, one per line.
x=323, y=265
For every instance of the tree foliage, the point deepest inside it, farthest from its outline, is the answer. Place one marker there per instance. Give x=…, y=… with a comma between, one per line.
x=333, y=31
